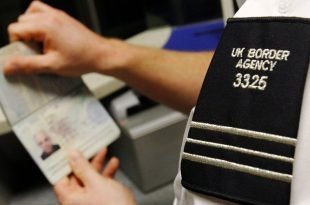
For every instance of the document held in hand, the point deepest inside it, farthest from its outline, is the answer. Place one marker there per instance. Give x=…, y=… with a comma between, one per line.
x=53, y=115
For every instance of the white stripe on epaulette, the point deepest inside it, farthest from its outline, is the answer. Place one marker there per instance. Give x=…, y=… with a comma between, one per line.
x=238, y=167
x=245, y=133
x=241, y=150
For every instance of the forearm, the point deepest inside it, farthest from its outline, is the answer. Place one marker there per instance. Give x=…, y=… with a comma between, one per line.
x=172, y=78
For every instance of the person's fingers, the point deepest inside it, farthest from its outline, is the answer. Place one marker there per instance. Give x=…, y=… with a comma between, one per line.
x=26, y=31
x=28, y=65
x=111, y=167
x=38, y=6
x=62, y=186
x=74, y=181
x=97, y=161
x=30, y=17
x=83, y=169
x=66, y=192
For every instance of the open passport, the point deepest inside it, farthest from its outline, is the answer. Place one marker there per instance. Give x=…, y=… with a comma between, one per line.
x=52, y=115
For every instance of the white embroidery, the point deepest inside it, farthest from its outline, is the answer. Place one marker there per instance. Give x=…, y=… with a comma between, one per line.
x=241, y=150
x=259, y=65
x=237, y=52
x=259, y=60
x=270, y=54
x=245, y=133
x=238, y=167
x=255, y=82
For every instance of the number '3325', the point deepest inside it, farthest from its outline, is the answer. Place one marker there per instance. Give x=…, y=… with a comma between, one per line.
x=248, y=81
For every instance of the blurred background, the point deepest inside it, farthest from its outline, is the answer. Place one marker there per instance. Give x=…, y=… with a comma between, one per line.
x=150, y=161
x=119, y=18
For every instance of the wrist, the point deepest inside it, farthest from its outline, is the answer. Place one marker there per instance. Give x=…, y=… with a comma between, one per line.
x=113, y=57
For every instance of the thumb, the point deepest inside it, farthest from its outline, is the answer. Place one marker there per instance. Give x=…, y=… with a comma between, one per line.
x=27, y=65
x=83, y=169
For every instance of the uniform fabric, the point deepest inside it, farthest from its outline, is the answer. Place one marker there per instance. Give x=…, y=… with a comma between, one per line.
x=255, y=82
x=300, y=183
